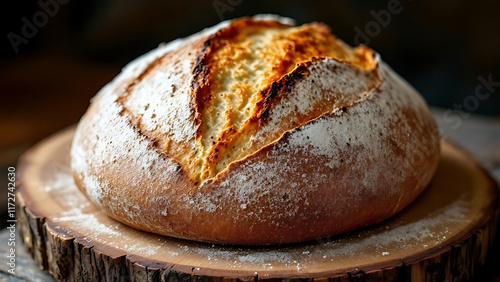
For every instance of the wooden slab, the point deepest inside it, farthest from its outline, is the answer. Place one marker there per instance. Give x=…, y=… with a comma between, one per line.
x=444, y=235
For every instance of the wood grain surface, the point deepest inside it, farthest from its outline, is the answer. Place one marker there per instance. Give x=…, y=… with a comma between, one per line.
x=445, y=234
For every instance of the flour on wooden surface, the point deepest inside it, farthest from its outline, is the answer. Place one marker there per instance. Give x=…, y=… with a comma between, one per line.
x=86, y=222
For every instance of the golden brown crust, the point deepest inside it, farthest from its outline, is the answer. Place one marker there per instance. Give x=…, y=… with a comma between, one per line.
x=332, y=139
x=288, y=52
x=287, y=56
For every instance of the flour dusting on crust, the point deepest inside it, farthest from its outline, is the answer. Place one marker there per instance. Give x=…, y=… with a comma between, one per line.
x=309, y=172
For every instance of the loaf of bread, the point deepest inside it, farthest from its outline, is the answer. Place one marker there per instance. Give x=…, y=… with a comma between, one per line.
x=255, y=131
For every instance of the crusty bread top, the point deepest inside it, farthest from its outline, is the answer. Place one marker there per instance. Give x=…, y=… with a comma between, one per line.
x=209, y=103
x=329, y=143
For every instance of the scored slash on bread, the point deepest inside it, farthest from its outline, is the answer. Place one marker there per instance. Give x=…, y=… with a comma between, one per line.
x=237, y=76
x=255, y=132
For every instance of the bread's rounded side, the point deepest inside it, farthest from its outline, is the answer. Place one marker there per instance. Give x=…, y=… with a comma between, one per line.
x=355, y=166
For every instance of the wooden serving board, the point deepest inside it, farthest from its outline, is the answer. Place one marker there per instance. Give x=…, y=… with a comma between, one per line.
x=444, y=235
